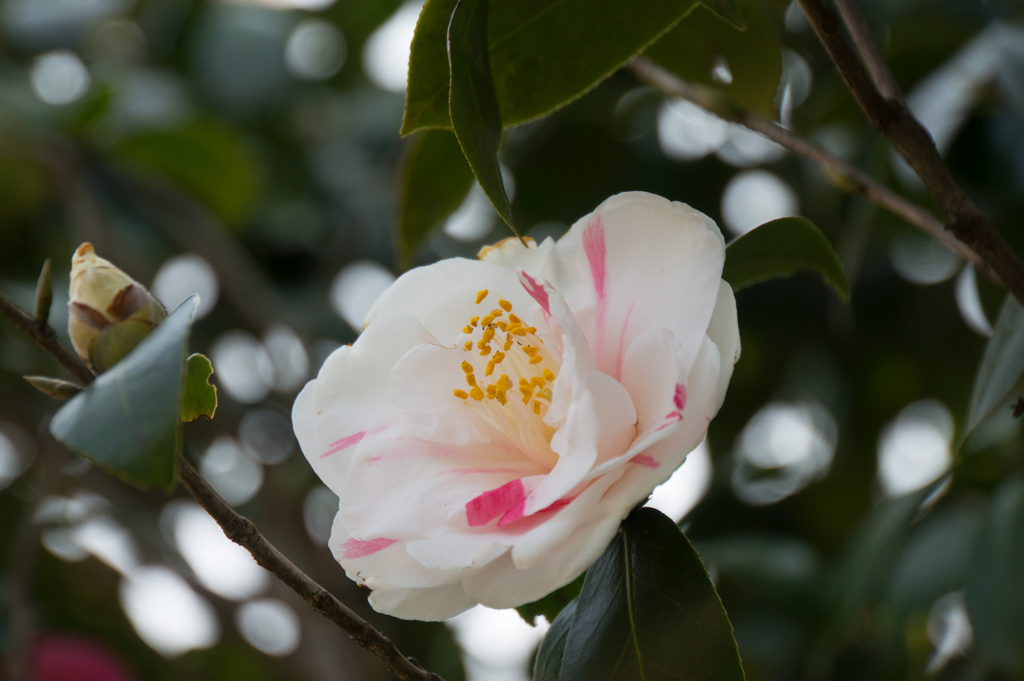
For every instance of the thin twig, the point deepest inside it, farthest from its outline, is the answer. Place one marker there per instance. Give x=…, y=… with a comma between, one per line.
x=847, y=176
x=915, y=145
x=243, y=532
x=869, y=50
x=240, y=529
x=44, y=337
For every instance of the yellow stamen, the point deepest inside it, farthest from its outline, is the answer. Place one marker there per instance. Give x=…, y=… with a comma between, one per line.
x=532, y=329
x=530, y=350
x=505, y=305
x=507, y=346
x=461, y=394
x=490, y=368
x=549, y=374
x=488, y=335
x=477, y=394
x=537, y=381
x=486, y=320
x=518, y=331
x=536, y=359
x=502, y=325
x=498, y=357
x=473, y=320
x=480, y=295
x=536, y=408
x=467, y=367
x=491, y=390
x=523, y=381
x=468, y=345
x=496, y=313
x=514, y=319
x=467, y=329
x=486, y=350
x=471, y=380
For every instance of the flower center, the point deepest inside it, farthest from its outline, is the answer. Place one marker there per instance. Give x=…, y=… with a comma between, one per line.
x=514, y=392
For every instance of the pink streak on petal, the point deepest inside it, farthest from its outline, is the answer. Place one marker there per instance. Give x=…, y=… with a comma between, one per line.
x=513, y=514
x=491, y=504
x=355, y=548
x=536, y=291
x=646, y=461
x=680, y=396
x=672, y=417
x=594, y=247
x=561, y=503
x=344, y=443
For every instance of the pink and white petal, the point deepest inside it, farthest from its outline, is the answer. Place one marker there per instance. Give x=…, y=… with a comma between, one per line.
x=724, y=331
x=404, y=487
x=568, y=341
x=334, y=412
x=646, y=263
x=426, y=605
x=601, y=423
x=383, y=563
x=653, y=465
x=652, y=372
x=422, y=385
x=560, y=525
x=442, y=295
x=502, y=585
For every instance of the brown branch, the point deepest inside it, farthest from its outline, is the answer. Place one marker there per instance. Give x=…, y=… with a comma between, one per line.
x=240, y=529
x=847, y=176
x=915, y=145
x=243, y=532
x=869, y=51
x=44, y=337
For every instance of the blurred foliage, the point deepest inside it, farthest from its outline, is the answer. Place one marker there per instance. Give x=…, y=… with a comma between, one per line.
x=194, y=135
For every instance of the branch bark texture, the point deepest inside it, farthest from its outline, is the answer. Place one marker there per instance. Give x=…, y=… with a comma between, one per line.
x=238, y=528
x=845, y=175
x=913, y=142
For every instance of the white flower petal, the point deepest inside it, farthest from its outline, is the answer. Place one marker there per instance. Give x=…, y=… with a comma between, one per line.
x=645, y=263
x=724, y=331
x=333, y=413
x=427, y=605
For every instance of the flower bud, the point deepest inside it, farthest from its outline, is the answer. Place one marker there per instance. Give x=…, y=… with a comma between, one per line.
x=109, y=312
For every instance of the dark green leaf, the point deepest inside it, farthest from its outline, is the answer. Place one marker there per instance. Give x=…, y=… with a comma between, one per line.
x=472, y=104
x=551, y=605
x=207, y=159
x=781, y=248
x=434, y=181
x=198, y=397
x=549, y=657
x=543, y=54
x=127, y=421
x=648, y=611
x=995, y=590
x=728, y=11
x=1001, y=365
x=694, y=48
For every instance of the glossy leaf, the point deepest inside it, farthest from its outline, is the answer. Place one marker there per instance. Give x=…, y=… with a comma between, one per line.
x=1001, y=367
x=753, y=59
x=543, y=54
x=995, y=591
x=434, y=181
x=198, y=396
x=648, y=611
x=472, y=103
x=781, y=248
x=548, y=664
x=127, y=421
x=206, y=159
x=728, y=11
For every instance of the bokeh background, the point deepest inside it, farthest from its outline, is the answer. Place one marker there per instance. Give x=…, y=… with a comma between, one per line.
x=248, y=151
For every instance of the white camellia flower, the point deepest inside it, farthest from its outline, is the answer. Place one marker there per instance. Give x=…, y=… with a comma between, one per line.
x=497, y=419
